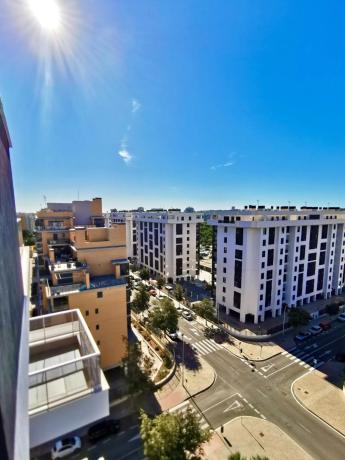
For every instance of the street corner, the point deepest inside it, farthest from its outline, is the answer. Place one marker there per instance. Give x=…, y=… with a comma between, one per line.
x=255, y=436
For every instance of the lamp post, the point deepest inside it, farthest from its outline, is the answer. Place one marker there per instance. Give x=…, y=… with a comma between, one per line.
x=182, y=373
x=284, y=311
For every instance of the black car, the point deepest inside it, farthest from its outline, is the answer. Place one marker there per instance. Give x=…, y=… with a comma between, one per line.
x=103, y=429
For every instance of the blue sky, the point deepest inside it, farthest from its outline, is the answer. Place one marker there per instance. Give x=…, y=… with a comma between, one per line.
x=210, y=104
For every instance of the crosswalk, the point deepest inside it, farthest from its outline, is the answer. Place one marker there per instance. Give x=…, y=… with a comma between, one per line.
x=206, y=346
x=183, y=407
x=306, y=359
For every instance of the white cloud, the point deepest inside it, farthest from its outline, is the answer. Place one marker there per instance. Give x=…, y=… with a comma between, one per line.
x=222, y=165
x=125, y=155
x=135, y=105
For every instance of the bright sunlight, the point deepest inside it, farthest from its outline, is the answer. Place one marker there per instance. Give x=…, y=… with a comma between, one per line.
x=47, y=13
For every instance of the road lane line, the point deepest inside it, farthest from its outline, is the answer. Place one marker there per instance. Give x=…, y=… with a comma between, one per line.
x=244, y=399
x=262, y=416
x=281, y=369
x=256, y=411
x=220, y=402
x=251, y=406
x=304, y=428
x=263, y=394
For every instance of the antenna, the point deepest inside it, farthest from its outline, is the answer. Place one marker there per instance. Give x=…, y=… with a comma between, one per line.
x=45, y=200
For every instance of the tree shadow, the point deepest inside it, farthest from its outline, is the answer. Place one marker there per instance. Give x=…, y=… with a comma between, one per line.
x=191, y=359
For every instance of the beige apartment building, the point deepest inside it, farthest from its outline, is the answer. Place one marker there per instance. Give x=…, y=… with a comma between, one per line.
x=86, y=268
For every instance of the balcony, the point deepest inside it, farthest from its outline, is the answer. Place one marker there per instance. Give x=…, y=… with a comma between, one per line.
x=59, y=242
x=68, y=266
x=65, y=379
x=96, y=282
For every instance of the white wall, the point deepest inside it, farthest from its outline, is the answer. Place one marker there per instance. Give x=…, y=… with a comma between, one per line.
x=57, y=422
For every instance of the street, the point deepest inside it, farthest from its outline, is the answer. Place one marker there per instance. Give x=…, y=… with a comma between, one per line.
x=264, y=389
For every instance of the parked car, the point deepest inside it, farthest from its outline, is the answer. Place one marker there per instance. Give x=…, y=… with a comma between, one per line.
x=174, y=335
x=168, y=287
x=302, y=336
x=325, y=325
x=315, y=330
x=64, y=447
x=187, y=315
x=103, y=429
x=341, y=317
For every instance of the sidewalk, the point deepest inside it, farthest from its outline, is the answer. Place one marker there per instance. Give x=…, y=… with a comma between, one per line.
x=253, y=436
x=254, y=351
x=195, y=381
x=321, y=393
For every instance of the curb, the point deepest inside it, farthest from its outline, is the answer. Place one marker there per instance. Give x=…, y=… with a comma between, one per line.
x=301, y=403
x=250, y=359
x=204, y=389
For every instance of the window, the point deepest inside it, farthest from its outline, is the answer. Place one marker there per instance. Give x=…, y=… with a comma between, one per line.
x=237, y=300
x=271, y=234
x=324, y=231
x=225, y=239
x=224, y=260
x=304, y=233
x=96, y=311
x=314, y=233
x=86, y=312
x=98, y=342
x=270, y=256
x=99, y=294
x=239, y=236
x=178, y=229
x=302, y=252
x=238, y=273
x=179, y=267
x=224, y=290
x=97, y=327
x=269, y=275
x=224, y=280
x=238, y=254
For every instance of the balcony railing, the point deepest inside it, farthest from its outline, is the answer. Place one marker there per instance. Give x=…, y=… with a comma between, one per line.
x=74, y=369
x=62, y=241
x=65, y=289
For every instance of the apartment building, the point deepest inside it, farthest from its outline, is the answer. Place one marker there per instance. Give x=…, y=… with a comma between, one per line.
x=14, y=356
x=86, y=267
x=168, y=243
x=27, y=220
x=126, y=217
x=267, y=258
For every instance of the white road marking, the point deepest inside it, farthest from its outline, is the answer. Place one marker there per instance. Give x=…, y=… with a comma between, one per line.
x=251, y=406
x=262, y=416
x=244, y=399
x=235, y=405
x=256, y=411
x=284, y=353
x=282, y=368
x=137, y=436
x=304, y=428
x=267, y=368
x=263, y=394
x=325, y=353
x=220, y=402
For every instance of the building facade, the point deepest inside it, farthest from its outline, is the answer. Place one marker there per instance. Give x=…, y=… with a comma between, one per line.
x=268, y=258
x=86, y=267
x=14, y=423
x=168, y=243
x=126, y=217
x=27, y=220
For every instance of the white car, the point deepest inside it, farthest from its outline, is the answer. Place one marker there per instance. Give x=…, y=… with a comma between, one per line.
x=315, y=329
x=341, y=317
x=64, y=447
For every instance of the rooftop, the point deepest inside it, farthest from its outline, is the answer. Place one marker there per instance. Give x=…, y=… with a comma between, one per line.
x=64, y=360
x=96, y=282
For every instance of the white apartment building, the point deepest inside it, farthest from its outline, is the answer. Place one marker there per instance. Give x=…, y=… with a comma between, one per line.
x=168, y=242
x=126, y=217
x=267, y=258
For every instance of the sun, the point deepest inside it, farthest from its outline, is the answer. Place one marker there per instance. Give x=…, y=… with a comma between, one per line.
x=47, y=13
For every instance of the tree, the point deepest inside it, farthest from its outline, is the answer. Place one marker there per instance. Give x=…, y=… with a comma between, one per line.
x=144, y=274
x=160, y=282
x=205, y=309
x=164, y=316
x=137, y=369
x=173, y=436
x=179, y=292
x=298, y=317
x=28, y=238
x=189, y=209
x=141, y=300
x=206, y=235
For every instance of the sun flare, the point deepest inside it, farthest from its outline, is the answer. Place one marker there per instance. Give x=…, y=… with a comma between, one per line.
x=47, y=13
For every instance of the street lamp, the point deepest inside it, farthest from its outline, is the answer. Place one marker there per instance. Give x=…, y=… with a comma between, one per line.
x=182, y=373
x=284, y=311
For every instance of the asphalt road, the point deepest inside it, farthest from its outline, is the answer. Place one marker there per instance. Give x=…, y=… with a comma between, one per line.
x=264, y=389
